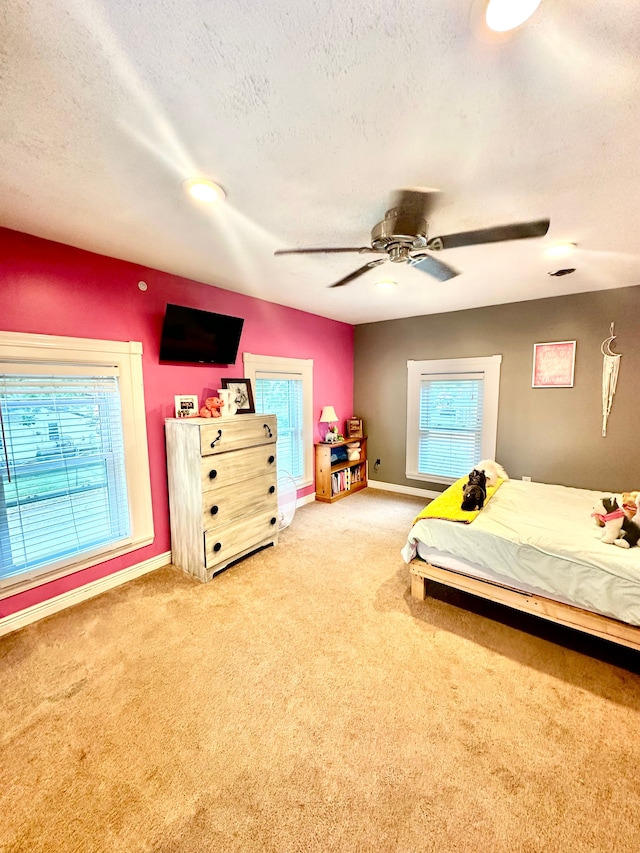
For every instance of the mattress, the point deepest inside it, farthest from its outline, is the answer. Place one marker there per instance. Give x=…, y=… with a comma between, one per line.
x=539, y=538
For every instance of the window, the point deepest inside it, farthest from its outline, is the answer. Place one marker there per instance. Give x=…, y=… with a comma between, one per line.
x=284, y=387
x=74, y=469
x=452, y=416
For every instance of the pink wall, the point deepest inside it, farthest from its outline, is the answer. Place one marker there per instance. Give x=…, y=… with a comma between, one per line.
x=49, y=288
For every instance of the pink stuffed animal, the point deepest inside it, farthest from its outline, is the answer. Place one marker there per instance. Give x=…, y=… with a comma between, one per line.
x=211, y=408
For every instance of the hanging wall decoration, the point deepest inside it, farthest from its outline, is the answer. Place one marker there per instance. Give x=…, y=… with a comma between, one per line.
x=554, y=364
x=610, y=370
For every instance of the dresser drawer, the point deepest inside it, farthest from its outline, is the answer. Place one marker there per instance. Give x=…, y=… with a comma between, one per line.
x=224, y=543
x=233, y=433
x=222, y=505
x=225, y=469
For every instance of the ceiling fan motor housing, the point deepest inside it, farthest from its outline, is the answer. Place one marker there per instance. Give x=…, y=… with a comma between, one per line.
x=400, y=232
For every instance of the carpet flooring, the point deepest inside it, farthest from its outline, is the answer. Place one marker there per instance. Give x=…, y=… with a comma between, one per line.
x=303, y=701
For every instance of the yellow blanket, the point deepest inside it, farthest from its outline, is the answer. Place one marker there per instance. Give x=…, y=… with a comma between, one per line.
x=447, y=505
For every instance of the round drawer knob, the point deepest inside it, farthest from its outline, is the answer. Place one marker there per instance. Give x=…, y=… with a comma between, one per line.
x=214, y=510
x=272, y=459
x=272, y=489
x=273, y=520
x=213, y=474
x=217, y=547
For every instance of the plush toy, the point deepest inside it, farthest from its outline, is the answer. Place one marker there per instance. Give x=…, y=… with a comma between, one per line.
x=631, y=506
x=618, y=530
x=211, y=408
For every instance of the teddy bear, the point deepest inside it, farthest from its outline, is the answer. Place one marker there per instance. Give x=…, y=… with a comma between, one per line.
x=211, y=408
x=631, y=506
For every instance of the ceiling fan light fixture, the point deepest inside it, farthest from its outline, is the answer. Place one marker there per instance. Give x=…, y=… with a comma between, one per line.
x=504, y=15
x=205, y=190
x=560, y=250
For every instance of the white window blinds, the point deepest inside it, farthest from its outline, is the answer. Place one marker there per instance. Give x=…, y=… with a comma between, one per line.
x=450, y=432
x=283, y=396
x=284, y=387
x=63, y=490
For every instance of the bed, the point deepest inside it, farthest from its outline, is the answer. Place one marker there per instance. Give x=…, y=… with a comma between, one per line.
x=536, y=548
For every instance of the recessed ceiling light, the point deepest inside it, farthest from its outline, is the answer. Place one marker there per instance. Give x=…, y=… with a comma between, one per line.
x=505, y=15
x=202, y=189
x=386, y=284
x=559, y=250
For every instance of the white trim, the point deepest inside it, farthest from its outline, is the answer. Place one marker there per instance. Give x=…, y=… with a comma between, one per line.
x=126, y=358
x=20, y=343
x=92, y=559
x=60, y=602
x=306, y=499
x=403, y=490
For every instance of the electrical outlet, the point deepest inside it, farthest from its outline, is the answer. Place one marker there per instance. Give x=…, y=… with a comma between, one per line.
x=527, y=479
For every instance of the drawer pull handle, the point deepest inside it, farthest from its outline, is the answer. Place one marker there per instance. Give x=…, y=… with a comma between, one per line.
x=267, y=429
x=214, y=510
x=273, y=520
x=213, y=474
x=217, y=546
x=215, y=440
x=272, y=489
x=272, y=459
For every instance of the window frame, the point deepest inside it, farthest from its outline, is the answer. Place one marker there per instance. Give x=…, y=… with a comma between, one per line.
x=83, y=352
x=294, y=368
x=489, y=366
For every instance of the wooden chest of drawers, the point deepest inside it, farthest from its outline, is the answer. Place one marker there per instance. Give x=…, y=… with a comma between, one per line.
x=223, y=499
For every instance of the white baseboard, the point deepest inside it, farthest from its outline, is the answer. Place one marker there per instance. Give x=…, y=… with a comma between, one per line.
x=403, y=490
x=75, y=596
x=307, y=499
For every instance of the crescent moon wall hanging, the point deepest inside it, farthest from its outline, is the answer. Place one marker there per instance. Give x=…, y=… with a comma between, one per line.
x=610, y=370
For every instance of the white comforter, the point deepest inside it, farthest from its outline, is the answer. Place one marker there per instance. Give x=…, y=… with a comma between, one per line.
x=543, y=537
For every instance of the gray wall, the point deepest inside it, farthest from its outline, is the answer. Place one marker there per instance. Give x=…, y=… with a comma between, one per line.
x=552, y=435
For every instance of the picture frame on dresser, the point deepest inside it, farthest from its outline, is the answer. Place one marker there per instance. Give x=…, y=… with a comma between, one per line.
x=186, y=405
x=243, y=395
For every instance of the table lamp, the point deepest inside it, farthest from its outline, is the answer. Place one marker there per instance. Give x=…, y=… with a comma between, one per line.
x=328, y=416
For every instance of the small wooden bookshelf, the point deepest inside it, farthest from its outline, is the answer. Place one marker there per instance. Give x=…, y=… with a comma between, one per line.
x=338, y=476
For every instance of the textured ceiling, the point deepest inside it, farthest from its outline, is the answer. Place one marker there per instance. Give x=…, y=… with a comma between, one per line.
x=311, y=114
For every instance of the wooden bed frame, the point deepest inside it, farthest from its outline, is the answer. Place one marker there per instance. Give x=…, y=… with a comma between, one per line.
x=546, y=608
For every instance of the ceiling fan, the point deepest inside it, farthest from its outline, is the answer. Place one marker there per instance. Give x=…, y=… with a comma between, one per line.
x=403, y=237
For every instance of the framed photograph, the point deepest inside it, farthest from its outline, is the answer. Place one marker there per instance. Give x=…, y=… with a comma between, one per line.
x=187, y=406
x=554, y=364
x=354, y=428
x=243, y=395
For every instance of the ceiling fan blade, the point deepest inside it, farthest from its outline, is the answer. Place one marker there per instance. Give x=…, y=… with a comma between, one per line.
x=434, y=266
x=498, y=234
x=358, y=272
x=362, y=249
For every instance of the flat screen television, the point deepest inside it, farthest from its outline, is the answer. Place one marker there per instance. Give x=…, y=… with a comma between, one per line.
x=192, y=336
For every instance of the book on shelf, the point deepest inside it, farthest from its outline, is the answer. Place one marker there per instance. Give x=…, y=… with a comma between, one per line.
x=341, y=481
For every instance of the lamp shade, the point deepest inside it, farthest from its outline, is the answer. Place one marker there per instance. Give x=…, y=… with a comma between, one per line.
x=328, y=415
